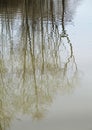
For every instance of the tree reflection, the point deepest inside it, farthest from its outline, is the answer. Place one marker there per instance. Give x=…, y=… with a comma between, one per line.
x=36, y=57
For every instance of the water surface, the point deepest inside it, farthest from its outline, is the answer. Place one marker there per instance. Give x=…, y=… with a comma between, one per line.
x=45, y=65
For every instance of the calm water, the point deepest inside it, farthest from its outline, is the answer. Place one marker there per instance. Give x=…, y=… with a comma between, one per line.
x=46, y=65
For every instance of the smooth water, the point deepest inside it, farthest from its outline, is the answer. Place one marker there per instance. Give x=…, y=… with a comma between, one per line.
x=45, y=65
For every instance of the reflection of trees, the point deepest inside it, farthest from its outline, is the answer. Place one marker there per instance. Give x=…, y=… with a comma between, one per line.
x=36, y=61
x=5, y=100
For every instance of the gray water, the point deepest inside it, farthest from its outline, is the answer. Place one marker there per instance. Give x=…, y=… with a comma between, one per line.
x=45, y=65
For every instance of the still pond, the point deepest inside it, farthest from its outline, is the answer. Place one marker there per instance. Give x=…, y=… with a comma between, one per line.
x=45, y=64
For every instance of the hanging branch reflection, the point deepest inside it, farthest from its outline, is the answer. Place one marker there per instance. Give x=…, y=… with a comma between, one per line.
x=37, y=59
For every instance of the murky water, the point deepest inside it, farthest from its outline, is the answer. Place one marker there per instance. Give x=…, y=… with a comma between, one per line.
x=45, y=65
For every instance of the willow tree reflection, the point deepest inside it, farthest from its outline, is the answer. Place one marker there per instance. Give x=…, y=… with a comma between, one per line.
x=37, y=59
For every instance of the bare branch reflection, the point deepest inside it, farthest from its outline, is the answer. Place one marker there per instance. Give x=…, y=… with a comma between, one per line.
x=36, y=57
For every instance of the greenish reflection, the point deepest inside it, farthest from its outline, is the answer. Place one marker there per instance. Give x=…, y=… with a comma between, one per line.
x=36, y=57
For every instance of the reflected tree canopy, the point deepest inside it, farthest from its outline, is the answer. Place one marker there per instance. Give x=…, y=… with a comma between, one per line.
x=36, y=56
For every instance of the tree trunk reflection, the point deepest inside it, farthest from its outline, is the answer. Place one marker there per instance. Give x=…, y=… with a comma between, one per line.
x=36, y=56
